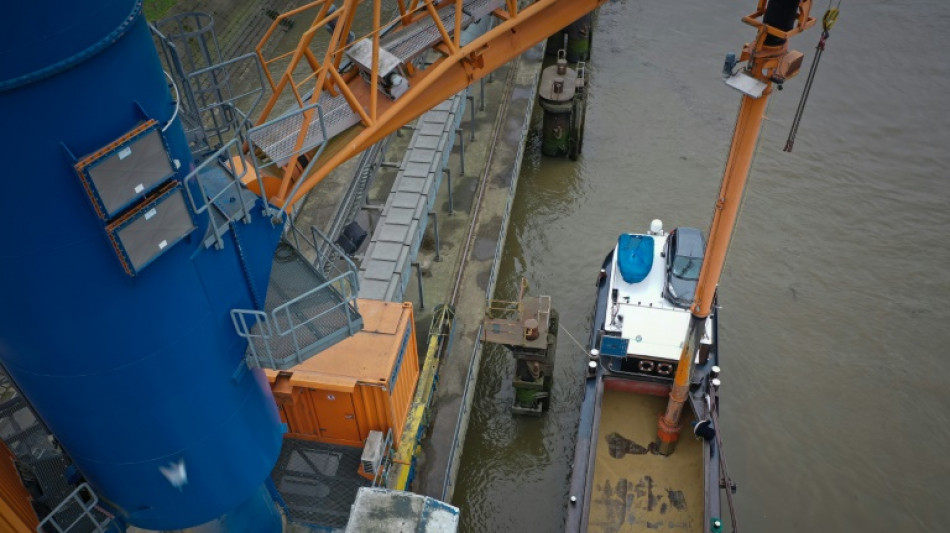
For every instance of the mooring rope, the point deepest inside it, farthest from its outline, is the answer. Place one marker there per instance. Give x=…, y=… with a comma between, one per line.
x=579, y=345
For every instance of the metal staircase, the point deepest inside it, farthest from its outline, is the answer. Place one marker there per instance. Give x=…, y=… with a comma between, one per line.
x=310, y=304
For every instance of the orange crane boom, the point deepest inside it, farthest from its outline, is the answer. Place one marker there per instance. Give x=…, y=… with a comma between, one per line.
x=768, y=60
x=383, y=70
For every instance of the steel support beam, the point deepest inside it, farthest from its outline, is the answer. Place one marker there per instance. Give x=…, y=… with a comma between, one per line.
x=454, y=72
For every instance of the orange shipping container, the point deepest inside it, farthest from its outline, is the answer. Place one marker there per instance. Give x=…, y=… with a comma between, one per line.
x=363, y=383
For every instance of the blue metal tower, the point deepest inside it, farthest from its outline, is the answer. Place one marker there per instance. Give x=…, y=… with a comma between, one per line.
x=115, y=316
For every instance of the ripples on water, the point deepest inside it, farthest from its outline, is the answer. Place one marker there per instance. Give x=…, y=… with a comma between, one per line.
x=835, y=402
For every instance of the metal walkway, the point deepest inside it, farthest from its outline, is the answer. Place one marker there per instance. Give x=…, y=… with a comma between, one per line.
x=307, y=308
x=42, y=466
x=423, y=34
x=279, y=137
x=384, y=271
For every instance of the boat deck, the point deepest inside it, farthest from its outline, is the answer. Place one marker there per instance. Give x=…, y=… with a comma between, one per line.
x=633, y=489
x=653, y=327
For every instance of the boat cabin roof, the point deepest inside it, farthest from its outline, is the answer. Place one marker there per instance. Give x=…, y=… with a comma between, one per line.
x=653, y=326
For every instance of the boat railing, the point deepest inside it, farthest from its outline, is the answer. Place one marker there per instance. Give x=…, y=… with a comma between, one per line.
x=503, y=308
x=506, y=321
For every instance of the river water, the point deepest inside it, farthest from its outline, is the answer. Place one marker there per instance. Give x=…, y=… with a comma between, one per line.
x=835, y=403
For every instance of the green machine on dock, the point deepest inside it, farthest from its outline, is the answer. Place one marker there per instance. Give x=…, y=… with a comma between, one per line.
x=575, y=39
x=528, y=328
x=561, y=96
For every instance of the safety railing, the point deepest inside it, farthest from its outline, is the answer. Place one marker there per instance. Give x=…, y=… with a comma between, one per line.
x=220, y=182
x=221, y=108
x=382, y=473
x=214, y=98
x=508, y=308
x=328, y=253
x=293, y=330
x=288, y=136
x=79, y=512
x=505, y=320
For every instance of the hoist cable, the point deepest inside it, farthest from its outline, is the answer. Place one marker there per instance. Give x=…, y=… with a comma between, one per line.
x=827, y=21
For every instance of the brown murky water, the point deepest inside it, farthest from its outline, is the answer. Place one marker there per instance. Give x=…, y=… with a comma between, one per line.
x=836, y=405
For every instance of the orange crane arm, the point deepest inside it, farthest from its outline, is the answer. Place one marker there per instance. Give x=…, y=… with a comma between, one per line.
x=460, y=66
x=768, y=61
x=457, y=71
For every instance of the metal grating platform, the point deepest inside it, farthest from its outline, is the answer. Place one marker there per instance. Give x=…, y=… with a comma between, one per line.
x=305, y=310
x=507, y=325
x=318, y=481
x=42, y=465
x=418, y=37
x=229, y=201
x=291, y=277
x=303, y=314
x=278, y=137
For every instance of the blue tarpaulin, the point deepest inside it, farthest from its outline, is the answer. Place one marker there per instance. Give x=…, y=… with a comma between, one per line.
x=635, y=257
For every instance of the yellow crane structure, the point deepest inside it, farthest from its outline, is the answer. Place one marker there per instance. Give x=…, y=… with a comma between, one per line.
x=369, y=86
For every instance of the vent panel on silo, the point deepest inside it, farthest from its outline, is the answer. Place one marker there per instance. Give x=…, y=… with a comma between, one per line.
x=151, y=229
x=126, y=170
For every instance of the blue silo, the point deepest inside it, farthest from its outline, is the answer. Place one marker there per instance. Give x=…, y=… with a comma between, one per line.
x=116, y=328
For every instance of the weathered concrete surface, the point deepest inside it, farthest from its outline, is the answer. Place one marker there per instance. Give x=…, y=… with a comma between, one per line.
x=493, y=159
x=459, y=369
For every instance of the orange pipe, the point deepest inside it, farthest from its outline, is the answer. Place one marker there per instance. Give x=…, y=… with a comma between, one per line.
x=374, y=75
x=764, y=60
x=744, y=139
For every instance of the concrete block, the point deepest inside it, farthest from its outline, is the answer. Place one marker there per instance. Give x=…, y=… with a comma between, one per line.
x=403, y=199
x=379, y=270
x=430, y=128
x=430, y=142
x=383, y=251
x=374, y=289
x=421, y=155
x=436, y=115
x=415, y=170
x=413, y=184
x=398, y=215
x=393, y=233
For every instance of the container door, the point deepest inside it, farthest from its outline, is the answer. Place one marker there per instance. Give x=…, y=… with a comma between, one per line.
x=337, y=415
